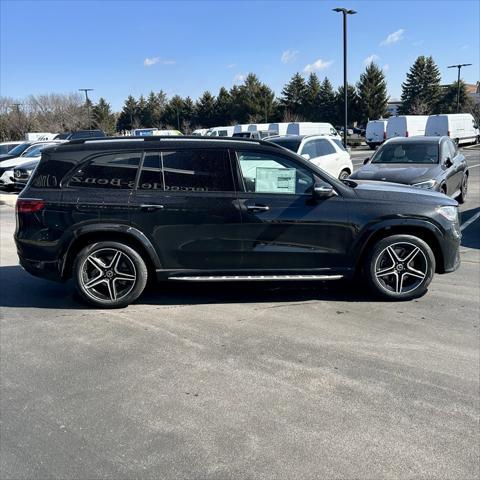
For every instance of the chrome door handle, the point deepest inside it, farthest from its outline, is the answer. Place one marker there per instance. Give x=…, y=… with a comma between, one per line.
x=258, y=208
x=151, y=208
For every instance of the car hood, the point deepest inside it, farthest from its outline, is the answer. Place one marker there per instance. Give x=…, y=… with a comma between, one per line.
x=397, y=173
x=6, y=156
x=395, y=192
x=13, y=162
x=28, y=165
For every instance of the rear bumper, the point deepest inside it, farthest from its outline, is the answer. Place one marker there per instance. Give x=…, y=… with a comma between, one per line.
x=42, y=269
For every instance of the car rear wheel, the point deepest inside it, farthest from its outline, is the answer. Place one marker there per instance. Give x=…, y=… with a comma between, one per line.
x=462, y=197
x=400, y=267
x=109, y=274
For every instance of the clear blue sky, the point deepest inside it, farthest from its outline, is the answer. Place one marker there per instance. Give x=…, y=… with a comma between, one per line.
x=186, y=47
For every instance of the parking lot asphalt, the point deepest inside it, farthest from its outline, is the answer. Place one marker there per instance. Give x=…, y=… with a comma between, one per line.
x=240, y=381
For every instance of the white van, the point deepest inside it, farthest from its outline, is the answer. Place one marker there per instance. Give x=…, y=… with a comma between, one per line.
x=406, y=126
x=200, y=132
x=376, y=133
x=460, y=127
x=220, y=132
x=311, y=128
x=149, y=132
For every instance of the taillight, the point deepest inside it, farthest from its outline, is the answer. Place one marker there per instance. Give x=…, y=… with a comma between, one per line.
x=29, y=205
x=448, y=133
x=384, y=135
x=406, y=133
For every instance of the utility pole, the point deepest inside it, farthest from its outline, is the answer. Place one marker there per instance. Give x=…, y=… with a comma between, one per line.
x=86, y=90
x=459, y=66
x=20, y=127
x=345, y=12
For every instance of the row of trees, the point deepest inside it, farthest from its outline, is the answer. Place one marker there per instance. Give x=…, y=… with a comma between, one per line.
x=301, y=99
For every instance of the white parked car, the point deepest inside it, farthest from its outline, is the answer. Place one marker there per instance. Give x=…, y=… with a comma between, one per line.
x=328, y=153
x=406, y=126
x=33, y=152
x=376, y=133
x=460, y=127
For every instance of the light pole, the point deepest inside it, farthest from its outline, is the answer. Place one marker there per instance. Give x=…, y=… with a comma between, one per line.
x=459, y=66
x=86, y=90
x=345, y=12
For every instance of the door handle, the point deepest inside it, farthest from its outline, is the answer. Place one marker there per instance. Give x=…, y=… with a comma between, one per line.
x=151, y=208
x=258, y=208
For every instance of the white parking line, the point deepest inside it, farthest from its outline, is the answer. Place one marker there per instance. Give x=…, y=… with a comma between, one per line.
x=473, y=166
x=470, y=221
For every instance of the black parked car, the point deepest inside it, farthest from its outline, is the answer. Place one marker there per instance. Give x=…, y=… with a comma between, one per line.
x=431, y=163
x=112, y=212
x=80, y=134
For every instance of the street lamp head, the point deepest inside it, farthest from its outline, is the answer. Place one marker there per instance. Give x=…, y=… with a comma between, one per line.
x=346, y=11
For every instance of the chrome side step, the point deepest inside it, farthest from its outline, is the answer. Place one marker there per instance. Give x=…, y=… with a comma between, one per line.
x=241, y=278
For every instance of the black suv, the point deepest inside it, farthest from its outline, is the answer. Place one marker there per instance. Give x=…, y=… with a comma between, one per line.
x=112, y=212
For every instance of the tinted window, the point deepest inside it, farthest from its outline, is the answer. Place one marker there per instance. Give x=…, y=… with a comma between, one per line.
x=197, y=170
x=269, y=173
x=116, y=171
x=324, y=147
x=309, y=148
x=422, y=152
x=151, y=177
x=290, y=144
x=19, y=149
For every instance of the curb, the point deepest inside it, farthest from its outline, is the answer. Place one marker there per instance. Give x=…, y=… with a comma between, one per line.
x=9, y=200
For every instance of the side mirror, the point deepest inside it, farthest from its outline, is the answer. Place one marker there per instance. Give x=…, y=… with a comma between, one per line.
x=366, y=160
x=306, y=156
x=448, y=162
x=323, y=191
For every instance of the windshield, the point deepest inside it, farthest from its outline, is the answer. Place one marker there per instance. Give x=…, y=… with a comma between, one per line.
x=423, y=152
x=242, y=134
x=289, y=143
x=36, y=150
x=19, y=149
x=62, y=136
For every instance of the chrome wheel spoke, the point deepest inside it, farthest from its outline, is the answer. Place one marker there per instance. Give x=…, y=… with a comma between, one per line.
x=399, y=284
x=386, y=271
x=115, y=260
x=96, y=262
x=393, y=255
x=126, y=277
x=415, y=273
x=408, y=259
x=95, y=282
x=112, y=291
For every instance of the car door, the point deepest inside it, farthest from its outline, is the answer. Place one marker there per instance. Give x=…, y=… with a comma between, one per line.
x=459, y=165
x=186, y=204
x=283, y=227
x=451, y=166
x=327, y=157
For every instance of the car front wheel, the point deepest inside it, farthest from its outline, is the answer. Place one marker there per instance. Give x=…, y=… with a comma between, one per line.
x=462, y=197
x=109, y=274
x=344, y=174
x=400, y=267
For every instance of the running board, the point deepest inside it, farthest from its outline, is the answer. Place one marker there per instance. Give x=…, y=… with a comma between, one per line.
x=241, y=278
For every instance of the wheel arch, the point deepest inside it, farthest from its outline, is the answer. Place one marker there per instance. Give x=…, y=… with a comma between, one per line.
x=124, y=233
x=424, y=232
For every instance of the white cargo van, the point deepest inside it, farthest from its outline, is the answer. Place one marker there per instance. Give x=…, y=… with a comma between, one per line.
x=376, y=133
x=406, y=126
x=311, y=128
x=220, y=132
x=460, y=127
x=39, y=137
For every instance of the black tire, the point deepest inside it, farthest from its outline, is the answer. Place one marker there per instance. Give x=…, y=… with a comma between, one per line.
x=344, y=174
x=117, y=274
x=462, y=197
x=408, y=278
x=371, y=146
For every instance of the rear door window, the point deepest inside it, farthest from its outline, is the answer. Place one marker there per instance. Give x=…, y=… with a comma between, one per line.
x=113, y=171
x=324, y=147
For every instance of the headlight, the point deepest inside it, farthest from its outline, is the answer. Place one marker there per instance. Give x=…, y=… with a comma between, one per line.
x=427, y=185
x=450, y=213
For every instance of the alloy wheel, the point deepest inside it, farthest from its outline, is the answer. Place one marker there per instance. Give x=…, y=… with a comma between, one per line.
x=401, y=267
x=108, y=274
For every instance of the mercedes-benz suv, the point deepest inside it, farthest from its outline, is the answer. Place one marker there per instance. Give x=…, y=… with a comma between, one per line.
x=111, y=213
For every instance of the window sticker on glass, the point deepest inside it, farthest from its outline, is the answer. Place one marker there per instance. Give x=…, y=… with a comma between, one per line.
x=275, y=180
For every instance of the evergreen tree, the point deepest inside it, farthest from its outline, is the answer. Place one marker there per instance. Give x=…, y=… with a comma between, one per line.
x=143, y=113
x=294, y=97
x=129, y=115
x=103, y=118
x=327, y=102
x=174, y=113
x=448, y=102
x=372, y=94
x=205, y=108
x=421, y=91
x=312, y=106
x=223, y=108
x=352, y=103
x=155, y=108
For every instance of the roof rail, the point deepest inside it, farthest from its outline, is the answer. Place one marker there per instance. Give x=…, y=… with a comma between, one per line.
x=170, y=138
